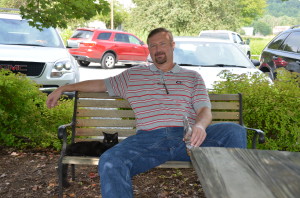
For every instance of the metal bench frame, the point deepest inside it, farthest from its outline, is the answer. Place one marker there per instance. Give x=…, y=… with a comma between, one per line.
x=95, y=113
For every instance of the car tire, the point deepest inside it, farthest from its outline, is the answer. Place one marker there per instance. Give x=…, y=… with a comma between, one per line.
x=108, y=61
x=83, y=63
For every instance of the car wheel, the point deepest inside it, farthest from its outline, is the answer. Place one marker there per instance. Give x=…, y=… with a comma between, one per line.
x=83, y=63
x=108, y=61
x=249, y=55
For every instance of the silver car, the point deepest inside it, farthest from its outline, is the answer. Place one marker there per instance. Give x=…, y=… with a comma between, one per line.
x=41, y=55
x=210, y=57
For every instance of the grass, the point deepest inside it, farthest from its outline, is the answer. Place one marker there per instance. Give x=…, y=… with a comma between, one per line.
x=257, y=44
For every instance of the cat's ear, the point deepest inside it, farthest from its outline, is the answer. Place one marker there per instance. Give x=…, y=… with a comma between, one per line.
x=115, y=135
x=104, y=133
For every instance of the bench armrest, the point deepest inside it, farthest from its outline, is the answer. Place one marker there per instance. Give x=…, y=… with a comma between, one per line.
x=258, y=135
x=62, y=131
x=62, y=134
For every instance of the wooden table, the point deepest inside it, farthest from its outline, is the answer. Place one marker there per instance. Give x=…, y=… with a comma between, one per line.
x=247, y=173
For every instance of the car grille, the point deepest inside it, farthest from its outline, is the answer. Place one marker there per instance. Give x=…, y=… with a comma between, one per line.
x=28, y=68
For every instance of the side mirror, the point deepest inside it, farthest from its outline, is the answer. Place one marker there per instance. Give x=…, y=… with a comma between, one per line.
x=142, y=43
x=255, y=62
x=248, y=41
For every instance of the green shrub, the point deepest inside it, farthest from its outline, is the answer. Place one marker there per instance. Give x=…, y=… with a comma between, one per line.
x=272, y=108
x=25, y=121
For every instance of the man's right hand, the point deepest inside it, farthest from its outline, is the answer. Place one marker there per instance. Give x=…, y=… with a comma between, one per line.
x=53, y=98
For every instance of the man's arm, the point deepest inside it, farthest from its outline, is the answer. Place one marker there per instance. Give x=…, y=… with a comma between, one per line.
x=203, y=119
x=85, y=86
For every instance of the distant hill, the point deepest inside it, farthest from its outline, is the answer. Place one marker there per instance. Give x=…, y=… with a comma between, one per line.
x=279, y=8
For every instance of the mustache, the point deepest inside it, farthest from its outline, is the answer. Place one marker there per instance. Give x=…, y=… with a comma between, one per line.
x=159, y=53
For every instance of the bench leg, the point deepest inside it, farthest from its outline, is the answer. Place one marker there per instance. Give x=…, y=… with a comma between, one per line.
x=73, y=171
x=60, y=179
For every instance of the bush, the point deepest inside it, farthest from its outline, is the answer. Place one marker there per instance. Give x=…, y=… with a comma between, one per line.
x=272, y=108
x=25, y=120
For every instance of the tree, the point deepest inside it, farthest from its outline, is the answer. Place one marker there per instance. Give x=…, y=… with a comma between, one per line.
x=12, y=4
x=251, y=10
x=262, y=27
x=57, y=13
x=120, y=16
x=190, y=17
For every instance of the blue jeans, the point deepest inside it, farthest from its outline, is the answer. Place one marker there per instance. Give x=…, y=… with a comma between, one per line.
x=148, y=149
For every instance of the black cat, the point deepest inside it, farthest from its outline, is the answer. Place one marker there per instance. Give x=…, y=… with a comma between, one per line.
x=89, y=148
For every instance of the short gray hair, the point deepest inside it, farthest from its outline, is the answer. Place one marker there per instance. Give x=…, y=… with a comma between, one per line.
x=158, y=30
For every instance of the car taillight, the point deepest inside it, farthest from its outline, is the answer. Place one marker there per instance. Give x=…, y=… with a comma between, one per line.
x=87, y=44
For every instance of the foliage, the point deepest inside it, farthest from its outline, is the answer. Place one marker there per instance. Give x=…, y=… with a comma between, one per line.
x=66, y=34
x=251, y=10
x=12, y=4
x=185, y=16
x=272, y=108
x=273, y=21
x=56, y=13
x=262, y=28
x=279, y=8
x=120, y=16
x=25, y=120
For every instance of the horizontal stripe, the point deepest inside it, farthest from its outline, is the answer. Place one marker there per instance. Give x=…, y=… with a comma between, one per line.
x=153, y=107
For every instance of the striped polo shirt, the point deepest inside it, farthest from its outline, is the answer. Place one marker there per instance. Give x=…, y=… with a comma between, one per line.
x=160, y=99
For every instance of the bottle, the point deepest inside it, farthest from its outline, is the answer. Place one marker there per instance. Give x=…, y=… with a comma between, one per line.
x=187, y=134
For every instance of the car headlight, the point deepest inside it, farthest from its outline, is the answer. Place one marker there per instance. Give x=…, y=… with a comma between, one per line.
x=60, y=65
x=60, y=68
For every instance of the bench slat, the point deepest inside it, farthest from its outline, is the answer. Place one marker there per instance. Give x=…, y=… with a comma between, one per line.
x=223, y=97
x=105, y=123
x=130, y=114
x=125, y=104
x=94, y=161
x=105, y=113
x=98, y=132
x=104, y=103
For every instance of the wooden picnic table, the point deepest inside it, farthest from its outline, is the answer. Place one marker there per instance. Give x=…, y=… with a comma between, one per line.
x=247, y=173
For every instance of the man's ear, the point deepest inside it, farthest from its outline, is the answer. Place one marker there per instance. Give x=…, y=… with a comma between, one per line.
x=173, y=45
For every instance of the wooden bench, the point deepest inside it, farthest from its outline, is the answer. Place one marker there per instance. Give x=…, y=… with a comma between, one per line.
x=95, y=113
x=247, y=173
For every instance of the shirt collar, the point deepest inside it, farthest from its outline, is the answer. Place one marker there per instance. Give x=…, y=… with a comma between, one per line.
x=175, y=69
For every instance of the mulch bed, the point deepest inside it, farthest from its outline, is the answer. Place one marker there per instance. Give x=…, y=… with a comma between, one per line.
x=32, y=173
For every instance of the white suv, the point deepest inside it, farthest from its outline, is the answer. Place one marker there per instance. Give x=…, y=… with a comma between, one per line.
x=230, y=36
x=41, y=55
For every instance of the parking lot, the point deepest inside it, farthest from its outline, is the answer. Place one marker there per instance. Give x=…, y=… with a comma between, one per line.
x=95, y=71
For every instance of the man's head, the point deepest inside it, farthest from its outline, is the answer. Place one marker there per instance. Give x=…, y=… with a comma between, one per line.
x=161, y=46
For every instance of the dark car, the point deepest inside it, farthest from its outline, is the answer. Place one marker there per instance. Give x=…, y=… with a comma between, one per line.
x=282, y=52
x=106, y=47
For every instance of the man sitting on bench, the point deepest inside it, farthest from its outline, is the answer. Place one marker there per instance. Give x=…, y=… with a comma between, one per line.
x=160, y=95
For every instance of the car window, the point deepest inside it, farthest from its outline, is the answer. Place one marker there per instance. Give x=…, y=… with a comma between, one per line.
x=19, y=32
x=292, y=42
x=104, y=36
x=134, y=40
x=122, y=38
x=276, y=43
x=82, y=34
x=205, y=54
x=223, y=36
x=239, y=39
x=234, y=38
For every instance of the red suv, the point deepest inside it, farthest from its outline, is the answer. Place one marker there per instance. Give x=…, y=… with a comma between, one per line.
x=106, y=47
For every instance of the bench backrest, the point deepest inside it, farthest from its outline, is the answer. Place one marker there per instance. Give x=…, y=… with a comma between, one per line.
x=95, y=113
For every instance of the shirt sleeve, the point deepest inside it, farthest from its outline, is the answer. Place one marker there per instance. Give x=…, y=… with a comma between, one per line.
x=200, y=95
x=117, y=85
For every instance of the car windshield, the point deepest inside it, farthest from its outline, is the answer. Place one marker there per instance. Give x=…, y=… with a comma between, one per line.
x=19, y=32
x=209, y=54
x=223, y=36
